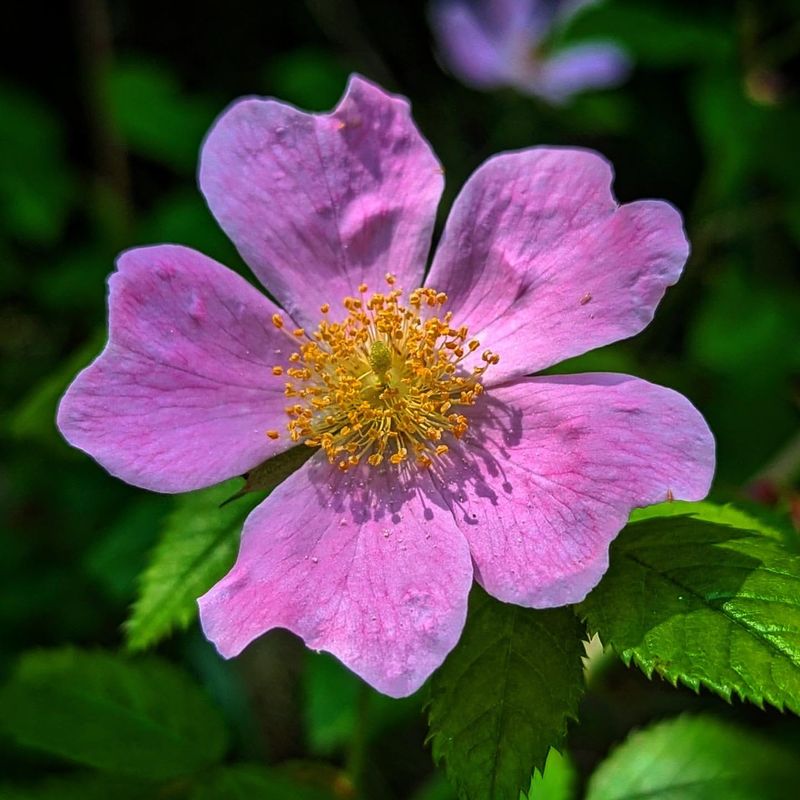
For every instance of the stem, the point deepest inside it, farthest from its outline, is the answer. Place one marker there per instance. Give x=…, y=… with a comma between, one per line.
x=112, y=201
x=357, y=757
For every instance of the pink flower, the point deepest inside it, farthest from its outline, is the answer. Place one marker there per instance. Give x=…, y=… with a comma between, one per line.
x=437, y=462
x=489, y=44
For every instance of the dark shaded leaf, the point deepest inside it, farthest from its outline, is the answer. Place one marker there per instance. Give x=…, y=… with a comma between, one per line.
x=504, y=695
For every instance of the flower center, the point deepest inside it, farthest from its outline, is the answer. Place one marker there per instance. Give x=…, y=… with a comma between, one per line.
x=383, y=384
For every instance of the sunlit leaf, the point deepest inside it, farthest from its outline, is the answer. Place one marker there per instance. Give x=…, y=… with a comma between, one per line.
x=695, y=758
x=704, y=604
x=197, y=547
x=557, y=782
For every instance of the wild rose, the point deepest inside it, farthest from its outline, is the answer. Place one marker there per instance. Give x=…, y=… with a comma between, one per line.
x=437, y=459
x=489, y=44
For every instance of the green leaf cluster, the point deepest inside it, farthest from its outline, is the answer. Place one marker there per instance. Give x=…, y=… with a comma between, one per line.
x=701, y=602
x=143, y=725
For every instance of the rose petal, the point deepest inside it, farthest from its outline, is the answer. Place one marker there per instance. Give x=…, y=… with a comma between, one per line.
x=183, y=394
x=469, y=47
x=593, y=65
x=541, y=264
x=319, y=203
x=488, y=45
x=368, y=567
x=551, y=469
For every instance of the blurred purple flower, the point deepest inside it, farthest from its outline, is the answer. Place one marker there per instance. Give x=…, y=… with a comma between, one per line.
x=490, y=44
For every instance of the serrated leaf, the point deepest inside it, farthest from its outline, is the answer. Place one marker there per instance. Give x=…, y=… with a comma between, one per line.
x=197, y=547
x=145, y=719
x=558, y=781
x=695, y=758
x=704, y=604
x=503, y=696
x=756, y=519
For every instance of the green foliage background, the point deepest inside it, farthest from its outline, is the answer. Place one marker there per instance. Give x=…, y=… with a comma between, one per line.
x=103, y=106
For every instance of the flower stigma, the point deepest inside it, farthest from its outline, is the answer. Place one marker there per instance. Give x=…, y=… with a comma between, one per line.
x=385, y=383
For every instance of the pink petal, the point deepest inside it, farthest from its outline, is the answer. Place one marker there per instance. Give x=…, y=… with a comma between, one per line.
x=369, y=567
x=592, y=65
x=552, y=468
x=319, y=203
x=541, y=264
x=470, y=48
x=183, y=394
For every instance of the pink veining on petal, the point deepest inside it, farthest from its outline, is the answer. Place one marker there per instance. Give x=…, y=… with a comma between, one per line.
x=183, y=395
x=366, y=565
x=374, y=564
x=551, y=469
x=319, y=203
x=542, y=264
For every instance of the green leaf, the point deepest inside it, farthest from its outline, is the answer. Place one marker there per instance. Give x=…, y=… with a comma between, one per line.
x=157, y=119
x=115, y=560
x=265, y=477
x=336, y=701
x=743, y=324
x=705, y=604
x=311, y=78
x=249, y=781
x=503, y=696
x=695, y=758
x=92, y=786
x=557, y=782
x=197, y=547
x=145, y=719
x=750, y=520
x=37, y=187
x=661, y=37
x=331, y=695
x=34, y=417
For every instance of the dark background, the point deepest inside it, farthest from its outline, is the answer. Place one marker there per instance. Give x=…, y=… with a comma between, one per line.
x=102, y=109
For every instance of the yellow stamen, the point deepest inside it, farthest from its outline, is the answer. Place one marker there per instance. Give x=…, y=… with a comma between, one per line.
x=386, y=383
